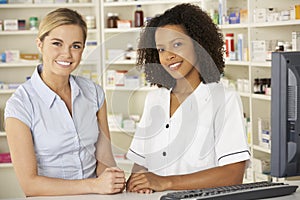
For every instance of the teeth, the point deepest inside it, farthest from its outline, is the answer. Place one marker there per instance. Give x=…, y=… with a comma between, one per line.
x=174, y=65
x=63, y=63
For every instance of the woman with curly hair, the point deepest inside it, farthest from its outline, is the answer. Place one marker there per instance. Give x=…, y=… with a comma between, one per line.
x=191, y=134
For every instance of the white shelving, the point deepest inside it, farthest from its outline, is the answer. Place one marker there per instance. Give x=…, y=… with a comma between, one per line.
x=131, y=100
x=258, y=105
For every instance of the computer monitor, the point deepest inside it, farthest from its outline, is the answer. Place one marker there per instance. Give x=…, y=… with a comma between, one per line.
x=285, y=114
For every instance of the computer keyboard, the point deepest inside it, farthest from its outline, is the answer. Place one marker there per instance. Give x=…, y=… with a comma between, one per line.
x=246, y=191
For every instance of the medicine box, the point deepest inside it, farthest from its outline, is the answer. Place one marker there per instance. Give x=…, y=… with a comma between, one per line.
x=124, y=23
x=234, y=18
x=5, y=158
x=258, y=51
x=10, y=25
x=260, y=15
x=115, y=54
x=296, y=41
x=12, y=56
x=19, y=1
x=43, y=1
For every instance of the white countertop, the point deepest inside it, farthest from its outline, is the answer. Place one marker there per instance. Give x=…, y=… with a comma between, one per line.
x=135, y=196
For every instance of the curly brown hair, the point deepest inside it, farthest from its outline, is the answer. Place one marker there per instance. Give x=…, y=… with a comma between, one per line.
x=207, y=39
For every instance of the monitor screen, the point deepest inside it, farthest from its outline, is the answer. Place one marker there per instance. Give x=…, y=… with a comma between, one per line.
x=285, y=115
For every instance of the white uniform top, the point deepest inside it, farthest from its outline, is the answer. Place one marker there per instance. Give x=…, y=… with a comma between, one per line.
x=206, y=130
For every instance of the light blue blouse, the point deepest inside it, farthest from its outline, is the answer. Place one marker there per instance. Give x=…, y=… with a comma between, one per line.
x=65, y=145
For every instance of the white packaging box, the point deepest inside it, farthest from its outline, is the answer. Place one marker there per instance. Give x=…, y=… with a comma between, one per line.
x=261, y=177
x=240, y=85
x=128, y=124
x=12, y=56
x=115, y=54
x=110, y=78
x=114, y=121
x=260, y=15
x=19, y=1
x=258, y=51
x=261, y=166
x=296, y=41
x=132, y=81
x=240, y=47
x=120, y=77
x=43, y=1
x=10, y=24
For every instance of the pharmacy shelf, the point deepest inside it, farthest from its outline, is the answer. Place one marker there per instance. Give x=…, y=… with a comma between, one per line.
x=273, y=24
x=2, y=134
x=240, y=63
x=234, y=26
x=122, y=130
x=121, y=62
x=262, y=149
x=261, y=97
x=244, y=94
x=8, y=91
x=6, y=165
x=47, y=5
x=31, y=32
x=19, y=64
x=121, y=30
x=133, y=3
x=122, y=88
x=123, y=161
x=261, y=64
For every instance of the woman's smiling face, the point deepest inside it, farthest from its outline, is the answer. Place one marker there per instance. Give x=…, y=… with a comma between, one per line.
x=176, y=50
x=62, y=49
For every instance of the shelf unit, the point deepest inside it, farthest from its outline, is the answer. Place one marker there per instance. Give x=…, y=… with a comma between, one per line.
x=257, y=106
x=130, y=101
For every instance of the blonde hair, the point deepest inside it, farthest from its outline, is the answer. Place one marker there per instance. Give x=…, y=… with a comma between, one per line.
x=59, y=17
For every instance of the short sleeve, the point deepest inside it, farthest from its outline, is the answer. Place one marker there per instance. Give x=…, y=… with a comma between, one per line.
x=231, y=140
x=100, y=95
x=136, y=152
x=19, y=106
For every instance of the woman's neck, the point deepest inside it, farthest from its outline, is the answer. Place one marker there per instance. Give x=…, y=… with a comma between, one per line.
x=187, y=84
x=57, y=84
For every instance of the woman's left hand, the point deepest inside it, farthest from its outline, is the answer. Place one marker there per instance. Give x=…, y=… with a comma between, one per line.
x=145, y=182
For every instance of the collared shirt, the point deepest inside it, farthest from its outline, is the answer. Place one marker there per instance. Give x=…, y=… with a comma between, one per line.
x=64, y=144
x=206, y=130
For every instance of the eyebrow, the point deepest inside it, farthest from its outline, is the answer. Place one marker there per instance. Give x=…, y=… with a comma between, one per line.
x=170, y=41
x=76, y=42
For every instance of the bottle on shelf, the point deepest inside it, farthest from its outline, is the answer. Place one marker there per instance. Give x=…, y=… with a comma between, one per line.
x=138, y=16
x=112, y=20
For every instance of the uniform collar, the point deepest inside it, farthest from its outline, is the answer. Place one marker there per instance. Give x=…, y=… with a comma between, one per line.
x=44, y=92
x=202, y=91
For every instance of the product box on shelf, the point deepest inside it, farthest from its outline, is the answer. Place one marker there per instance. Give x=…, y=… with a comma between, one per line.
x=258, y=51
x=43, y=1
x=260, y=15
x=19, y=1
x=10, y=25
x=296, y=41
x=5, y=158
x=115, y=54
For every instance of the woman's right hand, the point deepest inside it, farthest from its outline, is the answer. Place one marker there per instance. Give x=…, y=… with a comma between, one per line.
x=112, y=180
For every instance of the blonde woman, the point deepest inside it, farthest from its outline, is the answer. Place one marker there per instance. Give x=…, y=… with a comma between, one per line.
x=56, y=123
